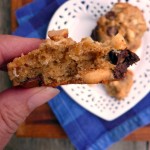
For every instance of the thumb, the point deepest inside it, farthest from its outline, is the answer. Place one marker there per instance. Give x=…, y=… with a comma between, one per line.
x=17, y=104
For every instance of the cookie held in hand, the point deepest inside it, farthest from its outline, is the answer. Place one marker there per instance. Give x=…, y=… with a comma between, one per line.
x=60, y=60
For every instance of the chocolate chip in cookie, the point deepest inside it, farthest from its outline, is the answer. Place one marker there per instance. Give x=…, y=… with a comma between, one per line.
x=113, y=57
x=33, y=82
x=111, y=15
x=112, y=30
x=94, y=35
x=122, y=59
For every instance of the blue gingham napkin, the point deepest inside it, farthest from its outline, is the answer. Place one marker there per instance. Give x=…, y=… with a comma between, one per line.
x=85, y=130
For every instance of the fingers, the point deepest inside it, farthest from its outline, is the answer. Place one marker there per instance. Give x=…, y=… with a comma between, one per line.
x=14, y=46
x=41, y=97
x=16, y=105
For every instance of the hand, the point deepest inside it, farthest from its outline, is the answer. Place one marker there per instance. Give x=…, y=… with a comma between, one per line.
x=16, y=104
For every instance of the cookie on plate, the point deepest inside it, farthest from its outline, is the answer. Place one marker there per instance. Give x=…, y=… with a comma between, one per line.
x=120, y=89
x=60, y=60
x=125, y=19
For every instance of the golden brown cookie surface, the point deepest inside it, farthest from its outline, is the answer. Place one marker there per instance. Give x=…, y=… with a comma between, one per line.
x=60, y=60
x=125, y=19
x=120, y=89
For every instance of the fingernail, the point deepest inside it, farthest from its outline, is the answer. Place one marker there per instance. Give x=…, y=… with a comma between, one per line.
x=42, y=97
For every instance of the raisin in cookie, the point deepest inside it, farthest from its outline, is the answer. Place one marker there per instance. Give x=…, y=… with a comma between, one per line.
x=125, y=19
x=120, y=89
x=60, y=60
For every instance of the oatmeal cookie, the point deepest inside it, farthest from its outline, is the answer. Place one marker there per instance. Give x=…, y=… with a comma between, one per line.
x=125, y=19
x=120, y=89
x=60, y=60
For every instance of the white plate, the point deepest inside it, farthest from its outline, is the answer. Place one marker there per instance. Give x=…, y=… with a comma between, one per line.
x=80, y=17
